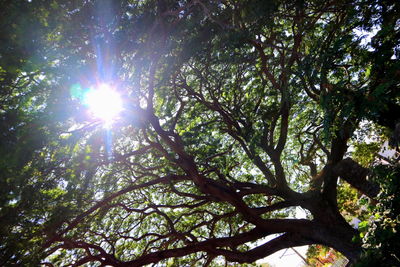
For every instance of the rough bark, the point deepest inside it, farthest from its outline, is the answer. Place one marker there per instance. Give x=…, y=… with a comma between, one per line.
x=356, y=176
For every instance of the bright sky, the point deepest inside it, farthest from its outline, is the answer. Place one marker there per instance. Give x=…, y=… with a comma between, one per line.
x=286, y=258
x=104, y=102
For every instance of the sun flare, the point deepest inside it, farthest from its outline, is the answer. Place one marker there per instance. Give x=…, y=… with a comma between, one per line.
x=104, y=102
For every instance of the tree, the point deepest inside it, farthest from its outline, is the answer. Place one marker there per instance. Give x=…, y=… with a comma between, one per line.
x=380, y=234
x=235, y=113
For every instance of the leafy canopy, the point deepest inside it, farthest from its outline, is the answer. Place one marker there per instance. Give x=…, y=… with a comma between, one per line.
x=235, y=113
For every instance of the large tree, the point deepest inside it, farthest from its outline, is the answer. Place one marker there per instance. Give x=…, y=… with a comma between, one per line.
x=235, y=114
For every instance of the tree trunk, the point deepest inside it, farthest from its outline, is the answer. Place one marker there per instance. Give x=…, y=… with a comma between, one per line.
x=332, y=230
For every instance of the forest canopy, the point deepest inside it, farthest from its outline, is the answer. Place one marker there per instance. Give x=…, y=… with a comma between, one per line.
x=191, y=132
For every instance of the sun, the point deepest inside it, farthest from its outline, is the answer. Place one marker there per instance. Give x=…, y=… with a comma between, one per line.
x=104, y=103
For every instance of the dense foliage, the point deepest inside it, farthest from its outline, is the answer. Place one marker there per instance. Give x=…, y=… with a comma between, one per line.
x=381, y=231
x=235, y=114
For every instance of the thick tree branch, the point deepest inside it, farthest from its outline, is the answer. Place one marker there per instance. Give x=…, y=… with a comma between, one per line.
x=281, y=242
x=208, y=246
x=356, y=176
x=337, y=151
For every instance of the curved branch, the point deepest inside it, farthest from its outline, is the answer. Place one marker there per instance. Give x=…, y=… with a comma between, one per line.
x=281, y=242
x=356, y=176
x=208, y=246
x=82, y=216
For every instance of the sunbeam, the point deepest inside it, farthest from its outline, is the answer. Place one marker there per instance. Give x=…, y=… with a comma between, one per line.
x=104, y=102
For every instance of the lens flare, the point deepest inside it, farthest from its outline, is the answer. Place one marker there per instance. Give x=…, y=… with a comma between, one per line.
x=104, y=103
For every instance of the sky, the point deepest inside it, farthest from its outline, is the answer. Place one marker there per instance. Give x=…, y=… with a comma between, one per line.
x=286, y=258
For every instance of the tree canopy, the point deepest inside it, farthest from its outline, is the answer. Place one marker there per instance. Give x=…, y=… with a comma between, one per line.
x=235, y=115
